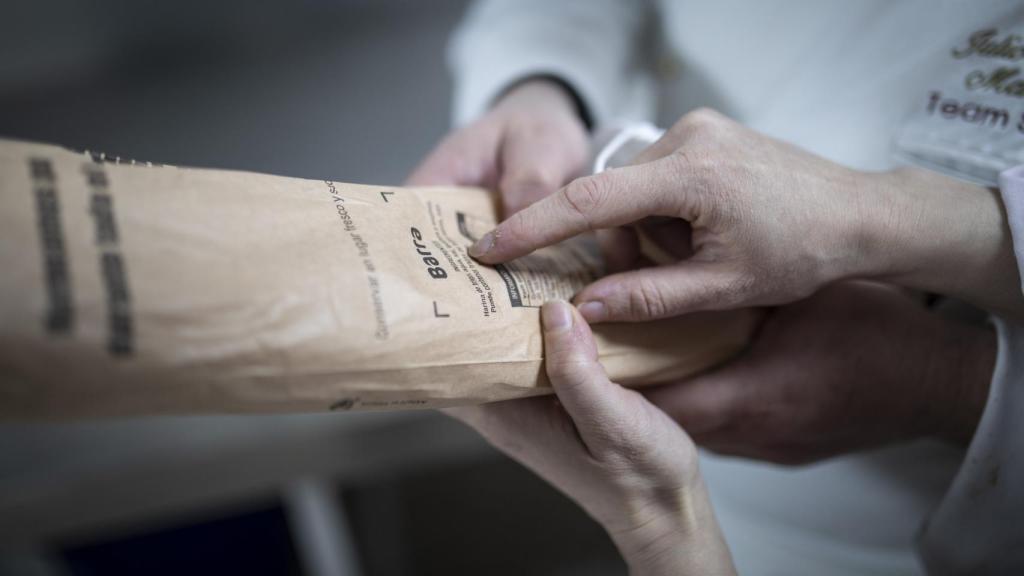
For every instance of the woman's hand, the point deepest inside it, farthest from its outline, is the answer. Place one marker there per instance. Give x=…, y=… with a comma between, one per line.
x=623, y=460
x=754, y=221
x=531, y=143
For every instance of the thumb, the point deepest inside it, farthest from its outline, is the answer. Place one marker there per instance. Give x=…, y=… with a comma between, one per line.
x=535, y=164
x=660, y=292
x=596, y=405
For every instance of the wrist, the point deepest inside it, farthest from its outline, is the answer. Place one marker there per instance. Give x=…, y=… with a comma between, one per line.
x=922, y=230
x=892, y=229
x=683, y=538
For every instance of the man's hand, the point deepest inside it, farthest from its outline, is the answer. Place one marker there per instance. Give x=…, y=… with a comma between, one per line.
x=856, y=366
x=531, y=143
x=624, y=461
x=747, y=220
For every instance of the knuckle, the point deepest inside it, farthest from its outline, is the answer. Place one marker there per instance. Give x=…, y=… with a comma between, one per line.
x=704, y=129
x=646, y=300
x=584, y=196
x=704, y=118
x=697, y=166
x=707, y=180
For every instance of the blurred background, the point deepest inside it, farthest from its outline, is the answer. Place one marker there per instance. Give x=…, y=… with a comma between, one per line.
x=348, y=90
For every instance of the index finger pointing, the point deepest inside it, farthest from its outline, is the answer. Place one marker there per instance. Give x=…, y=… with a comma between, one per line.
x=612, y=198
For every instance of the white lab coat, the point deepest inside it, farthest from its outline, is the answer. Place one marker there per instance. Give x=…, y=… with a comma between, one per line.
x=855, y=82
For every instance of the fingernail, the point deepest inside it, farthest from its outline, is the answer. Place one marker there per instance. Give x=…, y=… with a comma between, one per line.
x=592, y=311
x=556, y=316
x=482, y=246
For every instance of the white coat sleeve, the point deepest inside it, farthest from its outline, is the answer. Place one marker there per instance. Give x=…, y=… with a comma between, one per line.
x=595, y=46
x=978, y=528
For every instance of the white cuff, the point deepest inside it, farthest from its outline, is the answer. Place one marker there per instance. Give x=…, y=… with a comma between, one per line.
x=976, y=529
x=1011, y=186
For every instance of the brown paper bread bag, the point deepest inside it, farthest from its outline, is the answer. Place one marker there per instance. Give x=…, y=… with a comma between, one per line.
x=131, y=289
